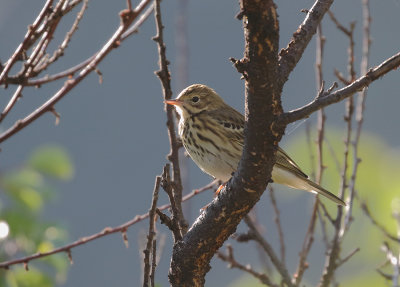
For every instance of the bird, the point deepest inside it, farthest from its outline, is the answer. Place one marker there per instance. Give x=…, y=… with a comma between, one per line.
x=212, y=133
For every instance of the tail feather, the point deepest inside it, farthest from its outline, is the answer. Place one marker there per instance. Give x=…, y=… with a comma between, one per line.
x=293, y=180
x=320, y=190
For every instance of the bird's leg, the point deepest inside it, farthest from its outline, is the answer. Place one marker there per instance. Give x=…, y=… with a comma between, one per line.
x=215, y=195
x=219, y=189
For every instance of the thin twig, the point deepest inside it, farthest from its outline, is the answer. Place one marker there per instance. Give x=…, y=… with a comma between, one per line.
x=382, y=228
x=71, y=71
x=229, y=258
x=333, y=254
x=151, y=234
x=361, y=98
x=344, y=260
x=173, y=157
x=106, y=231
x=309, y=237
x=321, y=113
x=126, y=20
x=307, y=244
x=174, y=223
x=23, y=46
x=280, y=267
x=153, y=263
x=60, y=50
x=278, y=224
x=49, y=28
x=333, y=97
x=17, y=94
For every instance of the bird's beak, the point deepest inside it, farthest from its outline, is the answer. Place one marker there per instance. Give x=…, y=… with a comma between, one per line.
x=174, y=102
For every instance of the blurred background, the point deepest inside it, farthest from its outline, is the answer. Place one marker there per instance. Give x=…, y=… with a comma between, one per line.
x=97, y=167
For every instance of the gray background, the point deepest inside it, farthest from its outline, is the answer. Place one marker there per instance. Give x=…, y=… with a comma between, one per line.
x=115, y=132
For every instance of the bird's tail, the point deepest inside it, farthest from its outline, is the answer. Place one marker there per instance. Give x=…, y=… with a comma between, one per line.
x=313, y=187
x=300, y=181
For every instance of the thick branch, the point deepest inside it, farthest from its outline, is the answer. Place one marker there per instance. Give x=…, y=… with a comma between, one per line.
x=191, y=256
x=334, y=97
x=290, y=56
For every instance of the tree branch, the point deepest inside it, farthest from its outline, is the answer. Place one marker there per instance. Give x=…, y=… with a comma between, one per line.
x=333, y=97
x=106, y=231
x=290, y=56
x=127, y=17
x=191, y=256
x=270, y=251
x=25, y=43
x=165, y=79
x=229, y=258
x=150, y=245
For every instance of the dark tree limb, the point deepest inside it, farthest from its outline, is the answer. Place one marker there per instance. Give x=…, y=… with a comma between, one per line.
x=192, y=255
x=290, y=56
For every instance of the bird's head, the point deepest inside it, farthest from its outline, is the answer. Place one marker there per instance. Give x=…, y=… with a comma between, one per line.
x=195, y=99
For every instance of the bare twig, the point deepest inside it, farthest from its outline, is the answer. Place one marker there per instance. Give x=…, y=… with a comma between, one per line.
x=60, y=50
x=173, y=157
x=106, y=231
x=173, y=224
x=344, y=260
x=310, y=149
x=333, y=254
x=359, y=109
x=17, y=94
x=127, y=17
x=309, y=237
x=277, y=220
x=71, y=71
x=153, y=263
x=341, y=94
x=150, y=236
x=269, y=250
x=383, y=229
x=23, y=46
x=229, y=258
x=46, y=31
x=321, y=113
x=308, y=241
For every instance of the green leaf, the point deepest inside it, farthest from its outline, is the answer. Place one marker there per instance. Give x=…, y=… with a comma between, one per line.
x=14, y=181
x=32, y=278
x=52, y=160
x=31, y=198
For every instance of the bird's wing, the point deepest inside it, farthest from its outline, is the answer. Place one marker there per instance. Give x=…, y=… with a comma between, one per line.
x=233, y=123
x=284, y=161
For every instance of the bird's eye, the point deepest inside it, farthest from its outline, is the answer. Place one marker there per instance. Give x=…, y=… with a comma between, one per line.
x=195, y=99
